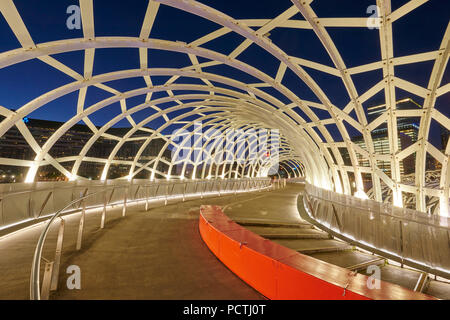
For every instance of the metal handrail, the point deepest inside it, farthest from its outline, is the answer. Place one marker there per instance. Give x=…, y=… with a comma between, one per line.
x=390, y=215
x=50, y=187
x=6, y=194
x=404, y=253
x=35, y=267
x=35, y=293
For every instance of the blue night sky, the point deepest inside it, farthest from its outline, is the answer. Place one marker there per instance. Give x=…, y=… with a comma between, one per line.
x=418, y=32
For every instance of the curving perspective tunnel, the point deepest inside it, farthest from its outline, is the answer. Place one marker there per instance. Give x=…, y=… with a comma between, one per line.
x=302, y=143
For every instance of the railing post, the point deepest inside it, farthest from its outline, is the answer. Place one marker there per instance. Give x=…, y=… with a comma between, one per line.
x=102, y=224
x=167, y=194
x=196, y=187
x=201, y=190
x=111, y=195
x=48, y=270
x=338, y=221
x=156, y=190
x=220, y=184
x=137, y=190
x=30, y=207
x=146, y=198
x=44, y=204
x=401, y=241
x=124, y=209
x=83, y=195
x=184, y=191
x=81, y=226
x=102, y=221
x=1, y=211
x=59, y=245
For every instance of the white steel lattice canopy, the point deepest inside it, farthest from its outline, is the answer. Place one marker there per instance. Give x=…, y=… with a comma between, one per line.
x=222, y=103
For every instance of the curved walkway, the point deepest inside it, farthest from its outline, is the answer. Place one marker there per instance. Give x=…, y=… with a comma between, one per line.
x=159, y=254
x=156, y=254
x=281, y=218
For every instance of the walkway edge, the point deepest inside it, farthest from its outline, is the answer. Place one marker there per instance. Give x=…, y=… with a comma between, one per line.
x=280, y=273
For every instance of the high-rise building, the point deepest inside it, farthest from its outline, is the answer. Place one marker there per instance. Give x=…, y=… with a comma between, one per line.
x=444, y=139
x=407, y=128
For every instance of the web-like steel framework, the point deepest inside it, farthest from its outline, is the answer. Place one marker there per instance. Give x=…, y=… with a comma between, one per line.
x=238, y=105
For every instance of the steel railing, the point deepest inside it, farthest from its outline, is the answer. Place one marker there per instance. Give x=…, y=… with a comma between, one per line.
x=26, y=202
x=408, y=236
x=168, y=190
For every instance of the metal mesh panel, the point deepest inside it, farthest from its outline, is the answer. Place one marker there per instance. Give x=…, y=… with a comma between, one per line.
x=408, y=234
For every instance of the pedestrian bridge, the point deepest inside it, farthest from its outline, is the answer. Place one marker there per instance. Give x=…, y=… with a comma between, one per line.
x=141, y=240
x=138, y=143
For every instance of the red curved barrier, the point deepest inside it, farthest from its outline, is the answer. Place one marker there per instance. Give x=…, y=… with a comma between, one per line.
x=278, y=272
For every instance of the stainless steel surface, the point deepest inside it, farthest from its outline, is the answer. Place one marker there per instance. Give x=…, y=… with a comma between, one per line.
x=59, y=247
x=35, y=270
x=407, y=236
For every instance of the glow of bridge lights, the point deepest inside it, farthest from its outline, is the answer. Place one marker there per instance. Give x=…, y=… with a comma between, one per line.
x=397, y=195
x=93, y=208
x=348, y=236
x=15, y=19
x=361, y=194
x=22, y=230
x=31, y=173
x=338, y=187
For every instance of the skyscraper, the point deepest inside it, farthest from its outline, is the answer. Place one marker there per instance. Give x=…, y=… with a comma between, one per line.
x=407, y=128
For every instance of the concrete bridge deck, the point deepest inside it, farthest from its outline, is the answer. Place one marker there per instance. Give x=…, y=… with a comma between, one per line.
x=159, y=254
x=156, y=254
